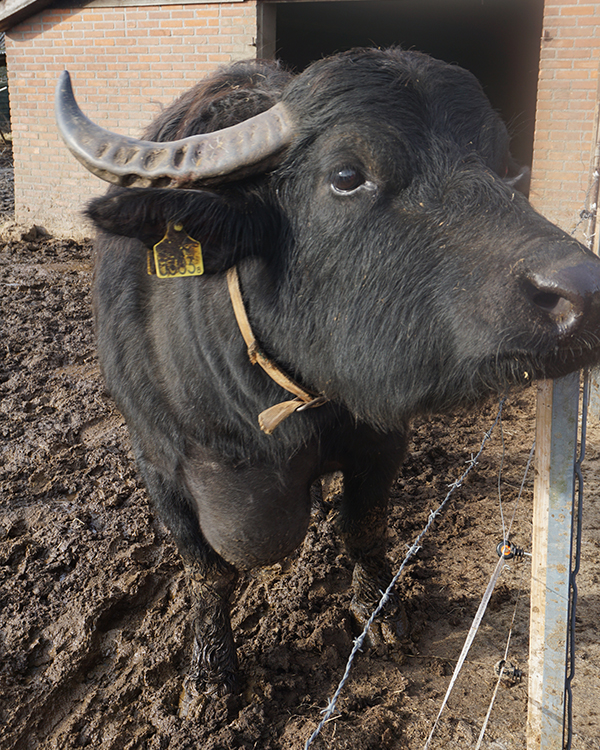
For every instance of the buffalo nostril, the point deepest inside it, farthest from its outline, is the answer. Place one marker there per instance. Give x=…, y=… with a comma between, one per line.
x=554, y=304
x=566, y=293
x=563, y=307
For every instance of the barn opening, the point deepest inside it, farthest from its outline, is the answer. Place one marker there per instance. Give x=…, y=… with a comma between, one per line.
x=497, y=40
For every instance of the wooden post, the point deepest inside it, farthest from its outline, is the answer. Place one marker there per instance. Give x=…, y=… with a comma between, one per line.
x=266, y=37
x=556, y=445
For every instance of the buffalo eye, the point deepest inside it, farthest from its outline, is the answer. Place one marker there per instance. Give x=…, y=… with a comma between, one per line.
x=347, y=180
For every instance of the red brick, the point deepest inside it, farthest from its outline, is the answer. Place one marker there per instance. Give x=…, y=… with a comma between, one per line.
x=589, y=21
x=578, y=10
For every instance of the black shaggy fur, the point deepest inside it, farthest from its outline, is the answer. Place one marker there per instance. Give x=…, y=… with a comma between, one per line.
x=386, y=262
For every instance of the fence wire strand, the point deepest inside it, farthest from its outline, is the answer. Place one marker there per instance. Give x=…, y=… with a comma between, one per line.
x=510, y=630
x=504, y=536
x=504, y=658
x=500, y=565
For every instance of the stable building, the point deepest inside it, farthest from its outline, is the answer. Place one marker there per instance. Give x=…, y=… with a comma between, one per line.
x=537, y=60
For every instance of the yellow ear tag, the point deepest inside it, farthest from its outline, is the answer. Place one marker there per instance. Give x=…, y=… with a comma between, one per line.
x=176, y=255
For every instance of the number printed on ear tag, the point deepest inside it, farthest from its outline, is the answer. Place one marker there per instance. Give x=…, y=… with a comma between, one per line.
x=177, y=254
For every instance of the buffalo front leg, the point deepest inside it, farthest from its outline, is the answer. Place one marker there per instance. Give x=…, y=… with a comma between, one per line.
x=210, y=581
x=362, y=522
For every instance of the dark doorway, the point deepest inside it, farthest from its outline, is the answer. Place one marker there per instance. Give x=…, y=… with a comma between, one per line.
x=497, y=40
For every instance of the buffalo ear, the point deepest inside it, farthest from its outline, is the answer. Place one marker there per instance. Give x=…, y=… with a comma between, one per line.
x=228, y=228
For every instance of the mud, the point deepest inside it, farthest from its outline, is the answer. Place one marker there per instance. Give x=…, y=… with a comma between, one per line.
x=94, y=617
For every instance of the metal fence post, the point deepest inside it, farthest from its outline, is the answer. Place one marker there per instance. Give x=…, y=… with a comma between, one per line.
x=556, y=445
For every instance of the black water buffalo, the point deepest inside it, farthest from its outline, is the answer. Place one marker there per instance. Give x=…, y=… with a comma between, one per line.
x=383, y=267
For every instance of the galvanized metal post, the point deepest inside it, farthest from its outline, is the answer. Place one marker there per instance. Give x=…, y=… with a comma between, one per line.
x=556, y=445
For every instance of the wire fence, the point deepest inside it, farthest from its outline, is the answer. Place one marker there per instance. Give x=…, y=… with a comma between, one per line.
x=329, y=711
x=415, y=547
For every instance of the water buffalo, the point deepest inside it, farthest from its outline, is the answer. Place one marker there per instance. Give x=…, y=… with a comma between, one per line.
x=365, y=258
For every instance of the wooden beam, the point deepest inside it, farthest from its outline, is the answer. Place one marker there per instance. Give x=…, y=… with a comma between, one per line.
x=143, y=3
x=266, y=36
x=556, y=445
x=13, y=12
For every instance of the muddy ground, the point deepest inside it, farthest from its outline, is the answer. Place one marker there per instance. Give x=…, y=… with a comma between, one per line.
x=94, y=629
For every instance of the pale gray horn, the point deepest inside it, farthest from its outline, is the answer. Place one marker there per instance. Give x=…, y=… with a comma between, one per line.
x=242, y=149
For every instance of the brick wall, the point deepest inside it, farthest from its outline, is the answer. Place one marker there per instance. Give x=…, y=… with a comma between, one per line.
x=125, y=63
x=567, y=110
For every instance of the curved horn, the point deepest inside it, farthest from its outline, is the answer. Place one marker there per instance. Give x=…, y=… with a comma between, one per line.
x=128, y=162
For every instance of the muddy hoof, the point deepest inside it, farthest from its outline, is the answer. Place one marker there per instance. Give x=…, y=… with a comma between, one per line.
x=214, y=669
x=369, y=580
x=390, y=627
